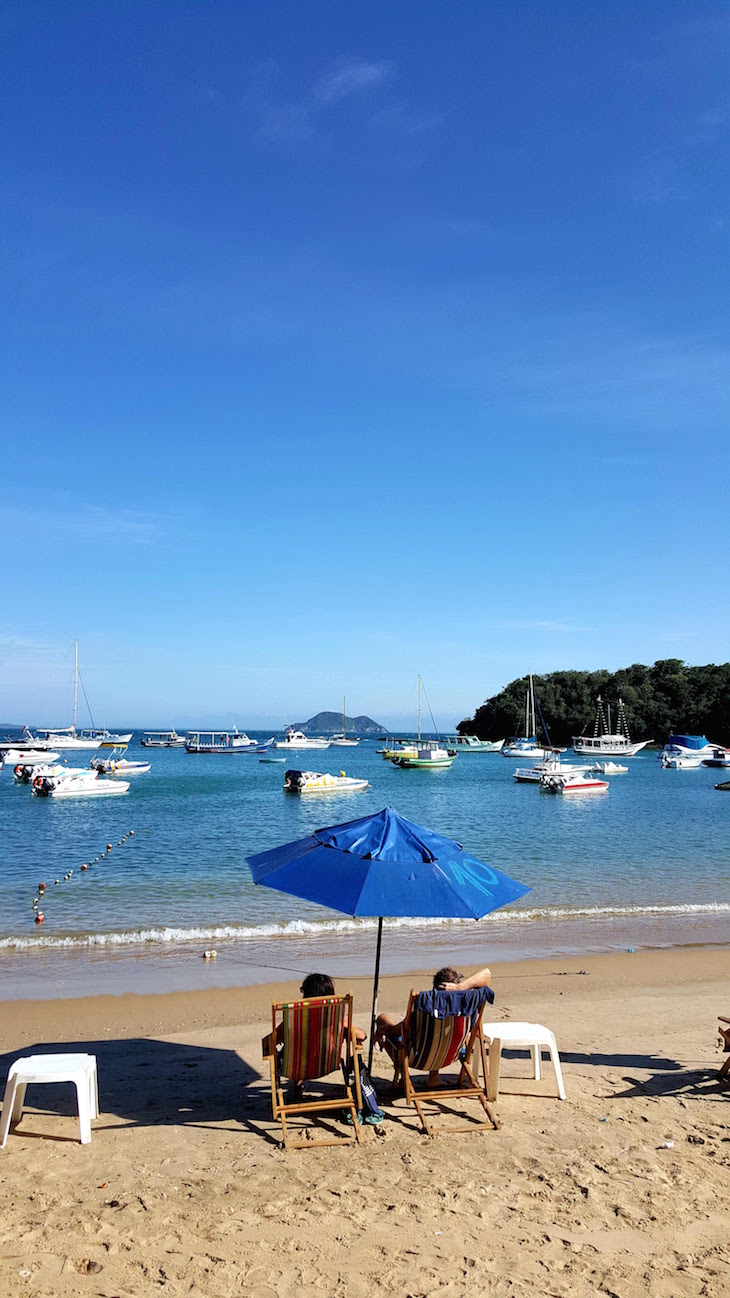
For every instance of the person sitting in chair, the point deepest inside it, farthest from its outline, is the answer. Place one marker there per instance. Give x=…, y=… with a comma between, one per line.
x=314, y=986
x=389, y=1031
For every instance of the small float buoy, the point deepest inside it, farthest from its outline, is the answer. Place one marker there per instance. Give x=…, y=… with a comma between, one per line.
x=96, y=860
x=84, y=867
x=210, y=955
x=102, y=856
x=41, y=887
x=119, y=844
x=108, y=847
x=70, y=873
x=35, y=905
x=131, y=833
x=56, y=880
x=39, y=917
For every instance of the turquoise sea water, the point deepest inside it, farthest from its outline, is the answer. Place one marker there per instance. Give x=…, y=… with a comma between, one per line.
x=646, y=864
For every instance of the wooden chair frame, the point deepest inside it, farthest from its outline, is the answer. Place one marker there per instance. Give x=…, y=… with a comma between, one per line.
x=467, y=1086
x=722, y=1073
x=282, y=1108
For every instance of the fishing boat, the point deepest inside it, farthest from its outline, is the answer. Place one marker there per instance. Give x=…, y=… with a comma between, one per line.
x=341, y=740
x=162, y=739
x=720, y=757
x=607, y=743
x=429, y=754
x=297, y=739
x=471, y=744
x=573, y=782
x=316, y=782
x=117, y=765
x=76, y=784
x=218, y=741
x=527, y=746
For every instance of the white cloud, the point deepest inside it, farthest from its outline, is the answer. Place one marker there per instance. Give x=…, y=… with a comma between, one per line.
x=351, y=77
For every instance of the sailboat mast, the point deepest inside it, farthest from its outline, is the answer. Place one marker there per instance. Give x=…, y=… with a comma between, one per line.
x=76, y=679
x=530, y=719
x=419, y=709
x=344, y=709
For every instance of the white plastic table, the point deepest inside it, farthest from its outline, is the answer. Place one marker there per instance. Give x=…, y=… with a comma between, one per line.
x=34, y=1069
x=527, y=1036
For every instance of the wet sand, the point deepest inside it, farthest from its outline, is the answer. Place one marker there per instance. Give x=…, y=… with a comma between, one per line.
x=622, y=1189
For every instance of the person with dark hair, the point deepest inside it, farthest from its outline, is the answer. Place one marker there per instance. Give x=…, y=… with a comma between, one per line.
x=317, y=984
x=389, y=1031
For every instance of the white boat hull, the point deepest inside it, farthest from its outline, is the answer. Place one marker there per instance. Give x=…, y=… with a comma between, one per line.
x=317, y=782
x=606, y=747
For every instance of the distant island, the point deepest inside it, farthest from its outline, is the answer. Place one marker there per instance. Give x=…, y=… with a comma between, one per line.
x=330, y=723
x=668, y=697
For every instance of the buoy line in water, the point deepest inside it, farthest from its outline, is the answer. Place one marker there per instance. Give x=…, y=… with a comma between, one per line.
x=87, y=865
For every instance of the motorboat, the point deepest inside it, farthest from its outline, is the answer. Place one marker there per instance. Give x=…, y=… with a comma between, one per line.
x=29, y=756
x=573, y=782
x=297, y=739
x=396, y=749
x=430, y=755
x=76, y=784
x=341, y=740
x=724, y=787
x=550, y=765
x=218, y=741
x=720, y=757
x=527, y=746
x=679, y=761
x=315, y=782
x=607, y=743
x=162, y=739
x=26, y=774
x=25, y=743
x=608, y=768
x=69, y=738
x=688, y=746
x=117, y=765
x=471, y=744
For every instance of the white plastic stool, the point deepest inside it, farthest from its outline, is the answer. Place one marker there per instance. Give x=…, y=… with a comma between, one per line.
x=530, y=1036
x=79, y=1069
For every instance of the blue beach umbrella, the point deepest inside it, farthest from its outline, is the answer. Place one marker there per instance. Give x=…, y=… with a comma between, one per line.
x=384, y=866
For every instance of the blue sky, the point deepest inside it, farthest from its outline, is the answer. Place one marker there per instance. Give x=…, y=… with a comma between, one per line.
x=343, y=342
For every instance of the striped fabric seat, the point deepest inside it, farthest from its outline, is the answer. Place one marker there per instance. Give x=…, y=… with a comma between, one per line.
x=436, y=1043
x=308, y=1040
x=312, y=1038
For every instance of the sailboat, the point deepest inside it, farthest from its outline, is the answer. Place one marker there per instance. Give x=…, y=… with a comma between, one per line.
x=527, y=745
x=427, y=753
x=69, y=736
x=605, y=743
x=341, y=741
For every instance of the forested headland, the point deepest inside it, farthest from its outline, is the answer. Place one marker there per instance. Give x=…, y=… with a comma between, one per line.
x=670, y=696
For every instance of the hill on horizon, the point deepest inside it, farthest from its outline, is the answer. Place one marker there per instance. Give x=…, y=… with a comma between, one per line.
x=330, y=723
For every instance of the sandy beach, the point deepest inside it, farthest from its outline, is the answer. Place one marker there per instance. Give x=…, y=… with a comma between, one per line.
x=622, y=1189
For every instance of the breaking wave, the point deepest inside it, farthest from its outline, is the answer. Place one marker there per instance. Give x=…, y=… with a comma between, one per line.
x=298, y=928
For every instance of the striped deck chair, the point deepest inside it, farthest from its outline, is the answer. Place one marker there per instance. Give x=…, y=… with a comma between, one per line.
x=311, y=1035
x=430, y=1044
x=722, y=1074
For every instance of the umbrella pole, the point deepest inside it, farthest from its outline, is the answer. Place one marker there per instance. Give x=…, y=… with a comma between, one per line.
x=374, y=1016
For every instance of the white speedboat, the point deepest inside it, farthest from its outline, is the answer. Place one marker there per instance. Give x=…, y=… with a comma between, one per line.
x=315, y=782
x=297, y=739
x=29, y=756
x=605, y=743
x=117, y=765
x=550, y=765
x=76, y=784
x=608, y=768
x=573, y=782
x=218, y=741
x=720, y=757
x=471, y=744
x=25, y=743
x=162, y=739
x=69, y=738
x=680, y=762
x=26, y=774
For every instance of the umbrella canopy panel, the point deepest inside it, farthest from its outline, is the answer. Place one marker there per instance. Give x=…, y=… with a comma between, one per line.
x=384, y=865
